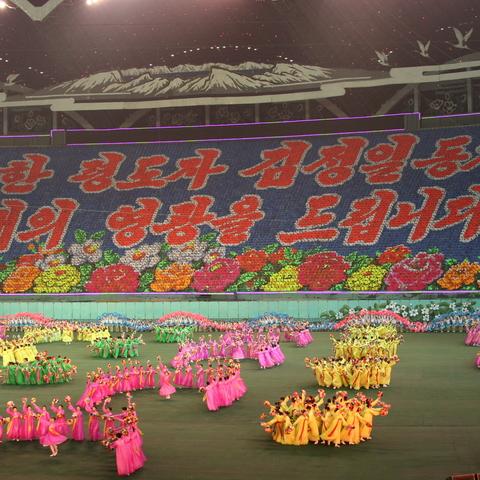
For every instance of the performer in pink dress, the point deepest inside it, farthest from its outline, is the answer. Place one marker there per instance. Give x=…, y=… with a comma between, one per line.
x=78, y=429
x=210, y=396
x=167, y=388
x=199, y=375
x=53, y=438
x=41, y=413
x=28, y=431
x=125, y=455
x=86, y=393
x=188, y=377
x=108, y=417
x=178, y=377
x=61, y=421
x=150, y=376
x=93, y=422
x=14, y=427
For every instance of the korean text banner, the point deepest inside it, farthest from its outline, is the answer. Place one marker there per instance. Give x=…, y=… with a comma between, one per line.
x=380, y=211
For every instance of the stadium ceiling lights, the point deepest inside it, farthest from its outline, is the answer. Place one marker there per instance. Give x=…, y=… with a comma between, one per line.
x=37, y=13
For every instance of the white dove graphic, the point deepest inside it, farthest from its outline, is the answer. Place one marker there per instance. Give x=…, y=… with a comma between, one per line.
x=383, y=58
x=10, y=85
x=11, y=78
x=461, y=39
x=423, y=49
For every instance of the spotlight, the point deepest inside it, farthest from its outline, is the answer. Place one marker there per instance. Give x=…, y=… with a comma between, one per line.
x=5, y=5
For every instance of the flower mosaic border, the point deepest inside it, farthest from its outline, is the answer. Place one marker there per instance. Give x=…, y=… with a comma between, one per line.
x=204, y=265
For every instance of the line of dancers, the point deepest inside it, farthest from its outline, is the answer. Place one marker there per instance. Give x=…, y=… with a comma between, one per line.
x=125, y=346
x=360, y=341
x=52, y=430
x=173, y=334
x=43, y=334
x=298, y=419
x=130, y=377
x=43, y=370
x=367, y=372
x=21, y=423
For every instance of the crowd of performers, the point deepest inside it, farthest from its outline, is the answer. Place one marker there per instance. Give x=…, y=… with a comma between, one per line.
x=125, y=346
x=298, y=419
x=173, y=334
x=43, y=334
x=363, y=358
x=262, y=345
x=52, y=429
x=65, y=332
x=224, y=384
x=298, y=333
x=18, y=350
x=90, y=333
x=43, y=369
x=359, y=341
x=366, y=372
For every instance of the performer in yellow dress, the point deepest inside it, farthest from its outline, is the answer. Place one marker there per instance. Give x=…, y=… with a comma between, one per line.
x=301, y=429
x=67, y=334
x=277, y=423
x=333, y=434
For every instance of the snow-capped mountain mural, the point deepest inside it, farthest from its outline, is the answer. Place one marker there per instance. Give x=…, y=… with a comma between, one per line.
x=214, y=83
x=217, y=79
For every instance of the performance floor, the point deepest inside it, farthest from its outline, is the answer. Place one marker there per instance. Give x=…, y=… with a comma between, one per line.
x=431, y=432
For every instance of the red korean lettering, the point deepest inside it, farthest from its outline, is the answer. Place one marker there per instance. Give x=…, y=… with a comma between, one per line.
x=131, y=224
x=314, y=217
x=182, y=223
x=280, y=166
x=465, y=208
x=145, y=174
x=22, y=176
x=97, y=175
x=388, y=160
x=53, y=221
x=10, y=217
x=421, y=219
x=198, y=169
x=366, y=219
x=449, y=159
x=235, y=228
x=337, y=162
